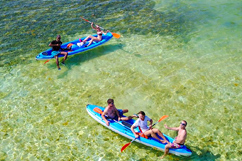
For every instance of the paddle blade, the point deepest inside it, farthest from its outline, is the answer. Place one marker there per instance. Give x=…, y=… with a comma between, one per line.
x=115, y=35
x=98, y=110
x=163, y=117
x=47, y=61
x=125, y=146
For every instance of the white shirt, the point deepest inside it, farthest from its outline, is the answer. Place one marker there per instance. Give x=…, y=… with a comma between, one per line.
x=142, y=124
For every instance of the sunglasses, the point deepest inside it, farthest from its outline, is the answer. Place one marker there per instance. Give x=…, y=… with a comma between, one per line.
x=183, y=124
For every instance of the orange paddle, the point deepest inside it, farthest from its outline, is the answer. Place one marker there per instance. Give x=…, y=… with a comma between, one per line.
x=47, y=61
x=126, y=145
x=162, y=118
x=114, y=34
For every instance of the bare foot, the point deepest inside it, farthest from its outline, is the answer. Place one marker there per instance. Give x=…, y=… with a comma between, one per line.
x=163, y=141
x=163, y=156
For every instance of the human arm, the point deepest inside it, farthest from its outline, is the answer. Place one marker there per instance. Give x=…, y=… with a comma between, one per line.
x=93, y=26
x=150, y=125
x=104, y=118
x=51, y=45
x=132, y=129
x=105, y=32
x=171, y=128
x=117, y=113
x=54, y=43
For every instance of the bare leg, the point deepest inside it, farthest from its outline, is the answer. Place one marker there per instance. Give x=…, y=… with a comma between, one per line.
x=127, y=118
x=166, y=150
x=160, y=134
x=90, y=42
x=65, y=57
x=57, y=61
x=84, y=41
x=89, y=37
x=93, y=39
x=151, y=132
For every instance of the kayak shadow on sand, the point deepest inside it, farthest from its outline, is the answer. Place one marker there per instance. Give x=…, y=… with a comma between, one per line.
x=203, y=154
x=78, y=59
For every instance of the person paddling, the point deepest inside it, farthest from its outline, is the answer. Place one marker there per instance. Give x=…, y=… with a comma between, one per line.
x=56, y=46
x=147, y=131
x=93, y=38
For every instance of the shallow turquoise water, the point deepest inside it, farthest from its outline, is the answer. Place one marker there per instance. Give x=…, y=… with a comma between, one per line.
x=180, y=58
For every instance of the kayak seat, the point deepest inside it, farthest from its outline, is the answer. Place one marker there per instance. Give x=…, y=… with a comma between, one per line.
x=74, y=47
x=126, y=124
x=46, y=53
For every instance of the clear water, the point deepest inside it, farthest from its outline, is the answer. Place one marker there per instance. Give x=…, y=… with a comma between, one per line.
x=179, y=58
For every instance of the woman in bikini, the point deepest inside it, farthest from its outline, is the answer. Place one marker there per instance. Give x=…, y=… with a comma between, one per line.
x=93, y=38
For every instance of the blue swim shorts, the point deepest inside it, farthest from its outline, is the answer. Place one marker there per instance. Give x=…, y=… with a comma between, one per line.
x=54, y=53
x=120, y=114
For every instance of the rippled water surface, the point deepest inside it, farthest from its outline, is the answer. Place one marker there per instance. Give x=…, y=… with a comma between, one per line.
x=179, y=58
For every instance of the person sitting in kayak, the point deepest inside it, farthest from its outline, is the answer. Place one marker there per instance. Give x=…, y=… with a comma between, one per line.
x=93, y=38
x=147, y=131
x=113, y=113
x=179, y=140
x=56, y=46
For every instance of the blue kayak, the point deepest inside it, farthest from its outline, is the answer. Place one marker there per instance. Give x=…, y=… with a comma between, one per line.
x=123, y=128
x=76, y=47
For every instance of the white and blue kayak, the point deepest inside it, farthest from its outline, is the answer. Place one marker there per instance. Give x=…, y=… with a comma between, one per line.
x=123, y=128
x=75, y=48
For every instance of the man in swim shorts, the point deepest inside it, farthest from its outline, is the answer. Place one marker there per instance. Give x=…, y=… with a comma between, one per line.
x=147, y=130
x=56, y=46
x=179, y=140
x=113, y=113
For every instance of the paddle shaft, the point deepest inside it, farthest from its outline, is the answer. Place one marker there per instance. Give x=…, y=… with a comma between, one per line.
x=133, y=140
x=154, y=124
x=114, y=34
x=91, y=22
x=162, y=118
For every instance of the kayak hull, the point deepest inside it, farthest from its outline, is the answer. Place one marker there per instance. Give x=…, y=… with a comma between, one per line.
x=75, y=48
x=123, y=128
